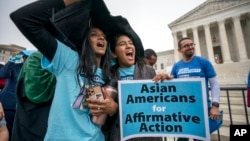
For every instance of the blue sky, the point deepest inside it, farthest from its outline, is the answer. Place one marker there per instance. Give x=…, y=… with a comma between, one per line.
x=148, y=18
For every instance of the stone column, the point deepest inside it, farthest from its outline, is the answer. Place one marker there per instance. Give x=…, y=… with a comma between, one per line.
x=196, y=41
x=209, y=44
x=176, y=53
x=240, y=39
x=184, y=33
x=224, y=42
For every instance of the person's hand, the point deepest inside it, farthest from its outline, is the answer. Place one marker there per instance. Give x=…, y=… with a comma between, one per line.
x=109, y=104
x=1, y=111
x=214, y=113
x=106, y=106
x=161, y=77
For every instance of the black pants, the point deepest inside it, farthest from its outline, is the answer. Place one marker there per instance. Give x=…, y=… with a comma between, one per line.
x=9, y=117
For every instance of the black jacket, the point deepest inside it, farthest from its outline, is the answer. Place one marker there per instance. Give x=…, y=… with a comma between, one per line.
x=69, y=25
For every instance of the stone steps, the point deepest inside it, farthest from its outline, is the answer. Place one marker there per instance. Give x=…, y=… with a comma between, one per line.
x=229, y=73
x=237, y=113
x=236, y=110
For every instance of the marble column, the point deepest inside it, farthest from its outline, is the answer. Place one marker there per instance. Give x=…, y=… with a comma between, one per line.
x=176, y=53
x=184, y=33
x=196, y=41
x=224, y=42
x=240, y=39
x=209, y=44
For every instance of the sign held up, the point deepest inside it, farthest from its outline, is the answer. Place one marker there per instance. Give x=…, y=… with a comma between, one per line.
x=176, y=108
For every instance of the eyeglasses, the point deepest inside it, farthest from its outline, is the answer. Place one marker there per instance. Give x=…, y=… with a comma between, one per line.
x=188, y=45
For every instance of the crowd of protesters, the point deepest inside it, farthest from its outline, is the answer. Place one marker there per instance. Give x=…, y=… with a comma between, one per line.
x=44, y=97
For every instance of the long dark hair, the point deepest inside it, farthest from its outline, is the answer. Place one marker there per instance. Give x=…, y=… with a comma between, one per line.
x=87, y=60
x=138, y=60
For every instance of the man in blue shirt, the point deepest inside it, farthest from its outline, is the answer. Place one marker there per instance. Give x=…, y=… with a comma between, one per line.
x=195, y=66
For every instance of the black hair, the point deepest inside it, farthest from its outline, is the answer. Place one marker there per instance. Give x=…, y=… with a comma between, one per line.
x=184, y=38
x=149, y=52
x=1, y=65
x=138, y=60
x=87, y=60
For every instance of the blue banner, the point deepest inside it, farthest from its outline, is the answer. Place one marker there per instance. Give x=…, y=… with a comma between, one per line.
x=176, y=108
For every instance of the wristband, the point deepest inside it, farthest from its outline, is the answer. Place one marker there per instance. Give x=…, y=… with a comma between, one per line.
x=216, y=104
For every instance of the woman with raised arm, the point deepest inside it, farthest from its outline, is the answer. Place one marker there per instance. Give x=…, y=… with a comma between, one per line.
x=75, y=51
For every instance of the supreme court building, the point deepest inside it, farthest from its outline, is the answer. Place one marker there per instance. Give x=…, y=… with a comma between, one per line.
x=221, y=31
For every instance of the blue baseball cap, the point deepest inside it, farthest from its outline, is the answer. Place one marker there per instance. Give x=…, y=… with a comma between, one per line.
x=27, y=52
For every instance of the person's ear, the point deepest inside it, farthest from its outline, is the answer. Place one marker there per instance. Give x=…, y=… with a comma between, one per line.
x=179, y=50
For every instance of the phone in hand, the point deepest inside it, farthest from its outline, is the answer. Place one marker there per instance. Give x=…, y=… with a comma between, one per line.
x=95, y=92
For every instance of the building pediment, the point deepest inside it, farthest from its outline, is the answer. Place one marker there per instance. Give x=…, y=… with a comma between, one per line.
x=208, y=8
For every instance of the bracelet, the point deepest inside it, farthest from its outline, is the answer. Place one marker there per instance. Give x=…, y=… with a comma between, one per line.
x=216, y=104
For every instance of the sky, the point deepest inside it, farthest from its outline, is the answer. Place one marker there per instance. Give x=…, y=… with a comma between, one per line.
x=149, y=19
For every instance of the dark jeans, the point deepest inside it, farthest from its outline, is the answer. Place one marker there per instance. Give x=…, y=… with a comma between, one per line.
x=9, y=117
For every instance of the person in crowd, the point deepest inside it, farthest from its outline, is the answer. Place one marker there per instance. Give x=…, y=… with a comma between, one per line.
x=10, y=72
x=248, y=89
x=203, y=68
x=4, y=133
x=127, y=49
x=35, y=90
x=77, y=55
x=150, y=57
x=2, y=81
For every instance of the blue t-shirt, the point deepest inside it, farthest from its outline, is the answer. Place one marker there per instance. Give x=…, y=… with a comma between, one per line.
x=66, y=123
x=197, y=67
x=127, y=73
x=248, y=80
